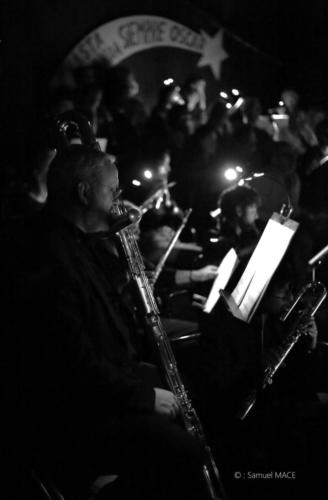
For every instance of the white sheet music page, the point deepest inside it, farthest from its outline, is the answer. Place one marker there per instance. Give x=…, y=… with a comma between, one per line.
x=225, y=270
x=264, y=261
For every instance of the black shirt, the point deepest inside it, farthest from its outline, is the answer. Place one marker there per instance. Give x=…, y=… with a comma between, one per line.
x=72, y=364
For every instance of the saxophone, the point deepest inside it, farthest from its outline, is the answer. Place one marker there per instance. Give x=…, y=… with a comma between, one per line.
x=312, y=295
x=167, y=360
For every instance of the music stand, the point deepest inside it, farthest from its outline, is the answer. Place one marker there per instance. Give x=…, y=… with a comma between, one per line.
x=249, y=291
x=261, y=266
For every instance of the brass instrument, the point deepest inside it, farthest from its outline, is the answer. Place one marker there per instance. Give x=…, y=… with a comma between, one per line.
x=173, y=241
x=166, y=357
x=80, y=124
x=312, y=295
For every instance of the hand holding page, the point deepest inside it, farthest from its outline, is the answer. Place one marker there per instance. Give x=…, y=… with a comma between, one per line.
x=224, y=272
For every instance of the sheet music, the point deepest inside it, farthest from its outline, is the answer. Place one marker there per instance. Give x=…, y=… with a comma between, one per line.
x=225, y=270
x=262, y=265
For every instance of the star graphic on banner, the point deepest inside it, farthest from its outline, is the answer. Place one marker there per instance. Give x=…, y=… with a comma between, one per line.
x=213, y=53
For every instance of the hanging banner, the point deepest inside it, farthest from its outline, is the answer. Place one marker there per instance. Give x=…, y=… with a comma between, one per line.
x=119, y=39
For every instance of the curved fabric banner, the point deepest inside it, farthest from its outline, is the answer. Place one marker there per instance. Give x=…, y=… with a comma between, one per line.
x=119, y=39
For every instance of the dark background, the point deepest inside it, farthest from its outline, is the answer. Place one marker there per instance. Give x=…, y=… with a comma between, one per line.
x=292, y=33
x=271, y=45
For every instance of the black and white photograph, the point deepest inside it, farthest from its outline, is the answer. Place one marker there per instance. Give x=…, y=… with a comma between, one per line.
x=164, y=249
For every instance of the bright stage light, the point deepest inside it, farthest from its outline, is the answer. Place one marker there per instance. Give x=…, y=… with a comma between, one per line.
x=230, y=174
x=148, y=174
x=238, y=103
x=228, y=105
x=135, y=182
x=258, y=174
x=241, y=182
x=235, y=91
x=168, y=81
x=281, y=103
x=215, y=213
x=224, y=95
x=239, y=169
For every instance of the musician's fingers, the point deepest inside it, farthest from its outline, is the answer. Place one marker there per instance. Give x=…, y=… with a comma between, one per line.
x=212, y=269
x=199, y=298
x=198, y=301
x=197, y=304
x=206, y=273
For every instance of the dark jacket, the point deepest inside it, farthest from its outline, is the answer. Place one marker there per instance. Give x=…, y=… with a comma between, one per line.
x=71, y=364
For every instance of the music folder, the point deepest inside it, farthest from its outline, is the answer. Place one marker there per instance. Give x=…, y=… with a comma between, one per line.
x=224, y=272
x=275, y=239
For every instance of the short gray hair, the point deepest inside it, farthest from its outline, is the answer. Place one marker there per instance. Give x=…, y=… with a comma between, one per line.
x=72, y=165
